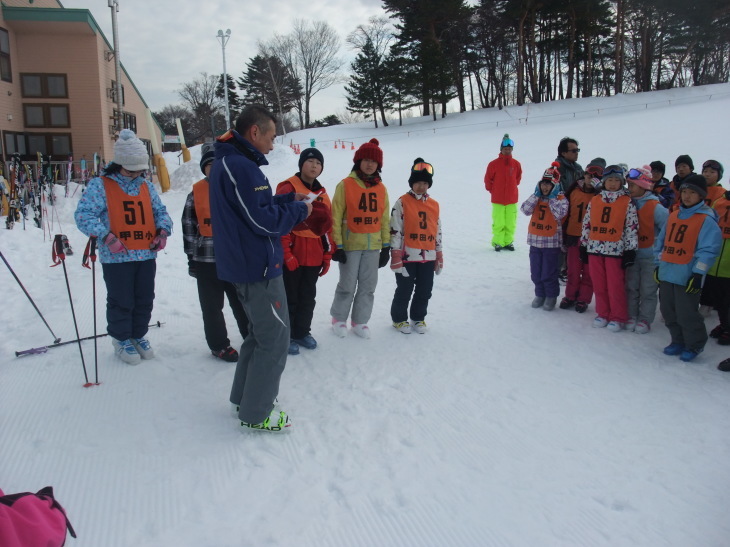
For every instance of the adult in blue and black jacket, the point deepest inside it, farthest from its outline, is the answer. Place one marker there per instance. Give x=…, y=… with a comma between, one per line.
x=248, y=221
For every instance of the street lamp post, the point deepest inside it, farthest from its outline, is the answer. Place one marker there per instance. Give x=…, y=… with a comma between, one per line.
x=223, y=38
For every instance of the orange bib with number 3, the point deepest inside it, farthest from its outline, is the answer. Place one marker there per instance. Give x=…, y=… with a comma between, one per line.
x=420, y=222
x=130, y=217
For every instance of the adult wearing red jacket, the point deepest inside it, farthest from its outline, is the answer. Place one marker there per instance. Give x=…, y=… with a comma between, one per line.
x=307, y=248
x=501, y=180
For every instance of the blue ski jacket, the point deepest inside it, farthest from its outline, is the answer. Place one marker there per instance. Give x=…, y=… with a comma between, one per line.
x=248, y=219
x=92, y=216
x=706, y=251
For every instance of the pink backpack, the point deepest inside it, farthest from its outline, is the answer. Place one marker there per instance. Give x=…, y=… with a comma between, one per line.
x=33, y=520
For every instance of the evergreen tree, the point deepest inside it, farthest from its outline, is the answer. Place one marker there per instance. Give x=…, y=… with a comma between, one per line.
x=369, y=92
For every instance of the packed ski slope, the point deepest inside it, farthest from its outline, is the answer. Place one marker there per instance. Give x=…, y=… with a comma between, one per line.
x=502, y=426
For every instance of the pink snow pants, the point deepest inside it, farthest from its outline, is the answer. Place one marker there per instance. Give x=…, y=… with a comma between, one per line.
x=579, y=286
x=609, y=285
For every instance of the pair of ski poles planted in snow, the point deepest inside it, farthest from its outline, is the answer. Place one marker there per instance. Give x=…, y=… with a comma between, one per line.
x=59, y=257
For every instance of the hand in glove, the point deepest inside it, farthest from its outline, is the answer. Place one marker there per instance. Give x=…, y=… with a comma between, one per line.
x=694, y=285
x=656, y=275
x=583, y=251
x=628, y=259
x=396, y=260
x=291, y=261
x=192, y=267
x=326, y=259
x=114, y=244
x=160, y=240
x=439, y=264
x=340, y=256
x=384, y=257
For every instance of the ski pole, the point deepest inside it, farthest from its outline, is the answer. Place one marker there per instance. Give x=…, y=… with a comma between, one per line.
x=60, y=258
x=56, y=339
x=90, y=253
x=44, y=349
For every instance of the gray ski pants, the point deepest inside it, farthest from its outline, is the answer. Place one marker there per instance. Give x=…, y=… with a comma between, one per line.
x=356, y=288
x=682, y=316
x=263, y=354
x=641, y=289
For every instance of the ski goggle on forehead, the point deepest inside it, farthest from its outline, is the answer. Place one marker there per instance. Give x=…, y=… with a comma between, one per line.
x=595, y=170
x=712, y=164
x=423, y=166
x=613, y=170
x=635, y=174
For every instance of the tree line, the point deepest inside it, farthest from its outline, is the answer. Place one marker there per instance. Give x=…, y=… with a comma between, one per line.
x=488, y=53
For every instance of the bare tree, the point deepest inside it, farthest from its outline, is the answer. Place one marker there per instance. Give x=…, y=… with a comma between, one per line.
x=310, y=55
x=200, y=97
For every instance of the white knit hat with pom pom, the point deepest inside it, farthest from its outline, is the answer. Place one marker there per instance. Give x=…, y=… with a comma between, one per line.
x=130, y=152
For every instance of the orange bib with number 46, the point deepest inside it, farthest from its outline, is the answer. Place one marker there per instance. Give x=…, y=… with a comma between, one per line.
x=364, y=207
x=130, y=217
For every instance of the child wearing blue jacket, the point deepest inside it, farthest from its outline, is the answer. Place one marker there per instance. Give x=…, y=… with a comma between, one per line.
x=641, y=289
x=685, y=250
x=124, y=212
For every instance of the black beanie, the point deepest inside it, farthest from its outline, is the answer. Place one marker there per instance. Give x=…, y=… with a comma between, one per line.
x=696, y=183
x=658, y=166
x=420, y=176
x=684, y=158
x=308, y=154
x=207, y=155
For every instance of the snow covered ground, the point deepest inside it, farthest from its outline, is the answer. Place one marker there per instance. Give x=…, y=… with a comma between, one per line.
x=502, y=426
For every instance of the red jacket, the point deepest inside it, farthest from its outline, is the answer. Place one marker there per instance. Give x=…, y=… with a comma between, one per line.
x=309, y=251
x=502, y=178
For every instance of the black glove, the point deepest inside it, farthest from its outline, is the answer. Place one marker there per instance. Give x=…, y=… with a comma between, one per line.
x=583, y=255
x=628, y=259
x=339, y=256
x=694, y=285
x=656, y=275
x=192, y=268
x=384, y=257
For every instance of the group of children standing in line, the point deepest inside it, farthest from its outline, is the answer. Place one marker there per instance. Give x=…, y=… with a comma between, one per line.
x=626, y=233
x=356, y=228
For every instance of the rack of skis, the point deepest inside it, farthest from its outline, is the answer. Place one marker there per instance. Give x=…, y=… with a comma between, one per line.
x=28, y=189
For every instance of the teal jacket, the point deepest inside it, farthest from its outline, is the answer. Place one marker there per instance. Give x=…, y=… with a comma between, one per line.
x=706, y=250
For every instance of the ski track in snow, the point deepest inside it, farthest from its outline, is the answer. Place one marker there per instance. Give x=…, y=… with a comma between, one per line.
x=502, y=426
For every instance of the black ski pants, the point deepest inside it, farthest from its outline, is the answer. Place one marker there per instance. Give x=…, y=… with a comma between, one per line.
x=420, y=277
x=130, y=292
x=301, y=292
x=211, y=291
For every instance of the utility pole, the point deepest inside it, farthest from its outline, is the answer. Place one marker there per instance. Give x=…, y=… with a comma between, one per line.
x=223, y=38
x=114, y=5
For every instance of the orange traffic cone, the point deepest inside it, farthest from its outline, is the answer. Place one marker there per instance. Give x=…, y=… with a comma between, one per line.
x=343, y=144
x=353, y=146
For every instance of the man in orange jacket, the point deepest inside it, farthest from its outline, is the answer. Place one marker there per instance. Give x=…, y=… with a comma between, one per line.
x=501, y=181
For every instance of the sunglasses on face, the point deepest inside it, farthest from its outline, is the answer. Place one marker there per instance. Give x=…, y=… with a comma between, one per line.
x=576, y=150
x=423, y=167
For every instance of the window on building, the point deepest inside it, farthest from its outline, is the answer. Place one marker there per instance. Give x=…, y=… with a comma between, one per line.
x=43, y=86
x=46, y=115
x=57, y=145
x=130, y=121
x=5, y=71
x=14, y=143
